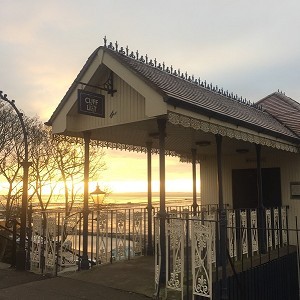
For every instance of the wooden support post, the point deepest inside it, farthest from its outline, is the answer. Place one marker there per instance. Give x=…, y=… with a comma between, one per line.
x=260, y=205
x=162, y=211
x=223, y=221
x=85, y=259
x=195, y=205
x=149, y=206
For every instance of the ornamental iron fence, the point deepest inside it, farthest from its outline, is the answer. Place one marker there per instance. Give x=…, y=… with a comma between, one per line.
x=193, y=264
x=57, y=240
x=193, y=268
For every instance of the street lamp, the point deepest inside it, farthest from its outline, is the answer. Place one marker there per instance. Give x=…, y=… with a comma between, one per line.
x=98, y=196
x=21, y=252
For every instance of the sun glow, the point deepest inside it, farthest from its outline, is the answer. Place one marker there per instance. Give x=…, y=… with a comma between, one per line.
x=127, y=173
x=127, y=186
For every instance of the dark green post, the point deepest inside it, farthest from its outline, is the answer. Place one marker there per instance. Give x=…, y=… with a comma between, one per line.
x=223, y=221
x=85, y=259
x=162, y=208
x=195, y=205
x=149, y=206
x=260, y=205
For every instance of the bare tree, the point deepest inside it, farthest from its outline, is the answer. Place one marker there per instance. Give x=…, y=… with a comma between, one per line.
x=11, y=149
x=11, y=152
x=43, y=175
x=55, y=160
x=68, y=153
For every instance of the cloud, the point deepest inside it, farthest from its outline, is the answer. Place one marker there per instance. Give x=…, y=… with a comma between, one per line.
x=248, y=47
x=45, y=44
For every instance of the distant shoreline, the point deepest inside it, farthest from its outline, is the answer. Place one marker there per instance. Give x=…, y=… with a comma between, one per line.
x=129, y=199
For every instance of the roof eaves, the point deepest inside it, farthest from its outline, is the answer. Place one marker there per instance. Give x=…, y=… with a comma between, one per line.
x=226, y=118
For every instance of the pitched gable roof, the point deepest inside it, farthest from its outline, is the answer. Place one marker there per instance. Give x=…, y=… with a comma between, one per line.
x=183, y=91
x=284, y=109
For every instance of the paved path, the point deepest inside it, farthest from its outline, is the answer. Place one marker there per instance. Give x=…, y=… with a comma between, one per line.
x=126, y=280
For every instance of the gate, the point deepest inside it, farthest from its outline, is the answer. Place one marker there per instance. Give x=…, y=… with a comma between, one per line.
x=189, y=254
x=193, y=265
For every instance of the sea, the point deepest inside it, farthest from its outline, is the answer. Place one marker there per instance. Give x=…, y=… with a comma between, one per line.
x=117, y=200
x=179, y=198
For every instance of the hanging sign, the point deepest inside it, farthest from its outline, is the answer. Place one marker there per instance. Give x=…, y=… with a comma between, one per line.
x=91, y=104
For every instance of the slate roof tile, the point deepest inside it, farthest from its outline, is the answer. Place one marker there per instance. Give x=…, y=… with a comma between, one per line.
x=284, y=109
x=196, y=97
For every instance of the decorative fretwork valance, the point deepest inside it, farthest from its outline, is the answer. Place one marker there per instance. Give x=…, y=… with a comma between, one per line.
x=189, y=122
x=130, y=148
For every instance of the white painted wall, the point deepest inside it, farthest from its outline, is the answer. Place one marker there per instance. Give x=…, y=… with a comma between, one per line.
x=289, y=164
x=127, y=104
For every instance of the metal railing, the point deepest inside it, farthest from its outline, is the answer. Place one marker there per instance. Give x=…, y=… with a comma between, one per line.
x=112, y=235
x=193, y=264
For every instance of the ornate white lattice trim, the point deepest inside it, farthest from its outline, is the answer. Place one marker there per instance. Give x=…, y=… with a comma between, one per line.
x=231, y=234
x=269, y=228
x=276, y=227
x=175, y=254
x=137, y=231
x=36, y=240
x=201, y=259
x=188, y=122
x=131, y=148
x=244, y=233
x=284, y=225
x=254, y=231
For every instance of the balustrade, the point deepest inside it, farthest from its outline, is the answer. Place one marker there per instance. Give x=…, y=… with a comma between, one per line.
x=192, y=242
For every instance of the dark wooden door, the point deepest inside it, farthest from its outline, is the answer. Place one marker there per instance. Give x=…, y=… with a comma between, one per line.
x=244, y=187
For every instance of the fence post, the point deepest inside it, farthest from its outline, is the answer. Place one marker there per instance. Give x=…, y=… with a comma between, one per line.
x=14, y=244
x=111, y=236
x=29, y=235
x=187, y=256
x=57, y=241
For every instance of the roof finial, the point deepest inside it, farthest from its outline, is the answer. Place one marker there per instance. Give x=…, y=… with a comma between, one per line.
x=110, y=46
x=170, y=70
x=142, y=59
x=122, y=51
x=132, y=55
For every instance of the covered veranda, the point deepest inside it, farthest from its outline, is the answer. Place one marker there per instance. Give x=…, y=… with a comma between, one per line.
x=127, y=101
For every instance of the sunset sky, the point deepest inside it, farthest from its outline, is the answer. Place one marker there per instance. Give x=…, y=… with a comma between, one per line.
x=251, y=48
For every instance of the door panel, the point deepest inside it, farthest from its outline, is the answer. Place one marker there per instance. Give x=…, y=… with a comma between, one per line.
x=244, y=188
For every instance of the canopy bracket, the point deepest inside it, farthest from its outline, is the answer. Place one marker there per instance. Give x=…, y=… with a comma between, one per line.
x=108, y=86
